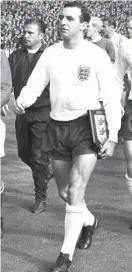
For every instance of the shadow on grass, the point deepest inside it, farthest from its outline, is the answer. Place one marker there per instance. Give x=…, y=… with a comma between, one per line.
x=17, y=202
x=49, y=237
x=11, y=190
x=43, y=266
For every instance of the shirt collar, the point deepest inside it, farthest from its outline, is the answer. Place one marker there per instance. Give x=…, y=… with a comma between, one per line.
x=41, y=49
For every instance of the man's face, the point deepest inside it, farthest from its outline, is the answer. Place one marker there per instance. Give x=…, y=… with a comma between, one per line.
x=91, y=30
x=32, y=36
x=129, y=29
x=106, y=29
x=69, y=24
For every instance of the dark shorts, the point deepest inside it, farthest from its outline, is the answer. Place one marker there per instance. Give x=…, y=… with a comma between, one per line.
x=127, y=121
x=70, y=138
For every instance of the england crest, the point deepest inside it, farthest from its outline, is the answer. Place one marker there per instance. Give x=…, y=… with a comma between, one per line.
x=99, y=127
x=83, y=73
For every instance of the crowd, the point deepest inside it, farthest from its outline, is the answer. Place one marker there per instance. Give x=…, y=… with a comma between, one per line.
x=14, y=13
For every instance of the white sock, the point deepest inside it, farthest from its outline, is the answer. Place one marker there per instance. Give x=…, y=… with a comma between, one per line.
x=129, y=184
x=74, y=220
x=89, y=217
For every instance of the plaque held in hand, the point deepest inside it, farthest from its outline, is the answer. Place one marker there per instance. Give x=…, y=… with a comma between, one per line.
x=99, y=127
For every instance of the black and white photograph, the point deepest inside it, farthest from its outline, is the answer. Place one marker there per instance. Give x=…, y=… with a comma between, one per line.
x=66, y=136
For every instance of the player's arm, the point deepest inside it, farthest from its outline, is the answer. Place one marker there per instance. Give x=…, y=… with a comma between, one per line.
x=36, y=84
x=110, y=95
x=6, y=81
x=111, y=51
x=121, y=67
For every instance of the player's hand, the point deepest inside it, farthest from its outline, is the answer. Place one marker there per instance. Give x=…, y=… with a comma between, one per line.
x=107, y=150
x=18, y=108
x=123, y=99
x=4, y=110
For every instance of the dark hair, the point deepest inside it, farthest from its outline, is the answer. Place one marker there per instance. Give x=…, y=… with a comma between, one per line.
x=111, y=21
x=2, y=45
x=85, y=14
x=36, y=21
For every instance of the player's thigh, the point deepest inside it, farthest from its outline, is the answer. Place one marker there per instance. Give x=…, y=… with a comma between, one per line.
x=80, y=174
x=83, y=166
x=61, y=170
x=128, y=149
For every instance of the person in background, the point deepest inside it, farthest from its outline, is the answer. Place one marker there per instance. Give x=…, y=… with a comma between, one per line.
x=109, y=30
x=30, y=127
x=93, y=33
x=123, y=62
x=6, y=88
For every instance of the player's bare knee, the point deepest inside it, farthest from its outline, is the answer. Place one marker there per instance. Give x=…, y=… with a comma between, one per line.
x=76, y=193
x=127, y=151
x=63, y=195
x=129, y=169
x=128, y=180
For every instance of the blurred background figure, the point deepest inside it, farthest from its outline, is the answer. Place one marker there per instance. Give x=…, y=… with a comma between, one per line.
x=123, y=62
x=6, y=88
x=93, y=34
x=31, y=126
x=109, y=30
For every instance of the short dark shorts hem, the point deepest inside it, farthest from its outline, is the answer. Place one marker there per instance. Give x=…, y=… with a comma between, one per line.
x=127, y=138
x=56, y=156
x=127, y=121
x=70, y=138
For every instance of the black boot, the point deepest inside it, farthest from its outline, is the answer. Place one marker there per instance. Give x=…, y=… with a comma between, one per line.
x=39, y=206
x=63, y=264
x=40, y=193
x=85, y=239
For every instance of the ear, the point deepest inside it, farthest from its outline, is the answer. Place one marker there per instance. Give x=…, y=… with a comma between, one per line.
x=42, y=35
x=84, y=26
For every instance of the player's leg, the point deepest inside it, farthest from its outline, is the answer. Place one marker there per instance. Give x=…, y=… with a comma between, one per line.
x=127, y=133
x=128, y=156
x=73, y=140
x=2, y=154
x=77, y=214
x=61, y=171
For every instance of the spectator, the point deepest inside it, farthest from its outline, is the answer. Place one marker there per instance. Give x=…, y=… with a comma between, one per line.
x=14, y=13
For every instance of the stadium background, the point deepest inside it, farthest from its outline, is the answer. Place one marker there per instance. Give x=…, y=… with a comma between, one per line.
x=14, y=13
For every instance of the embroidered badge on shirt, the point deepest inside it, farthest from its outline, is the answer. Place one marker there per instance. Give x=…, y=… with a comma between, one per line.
x=83, y=73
